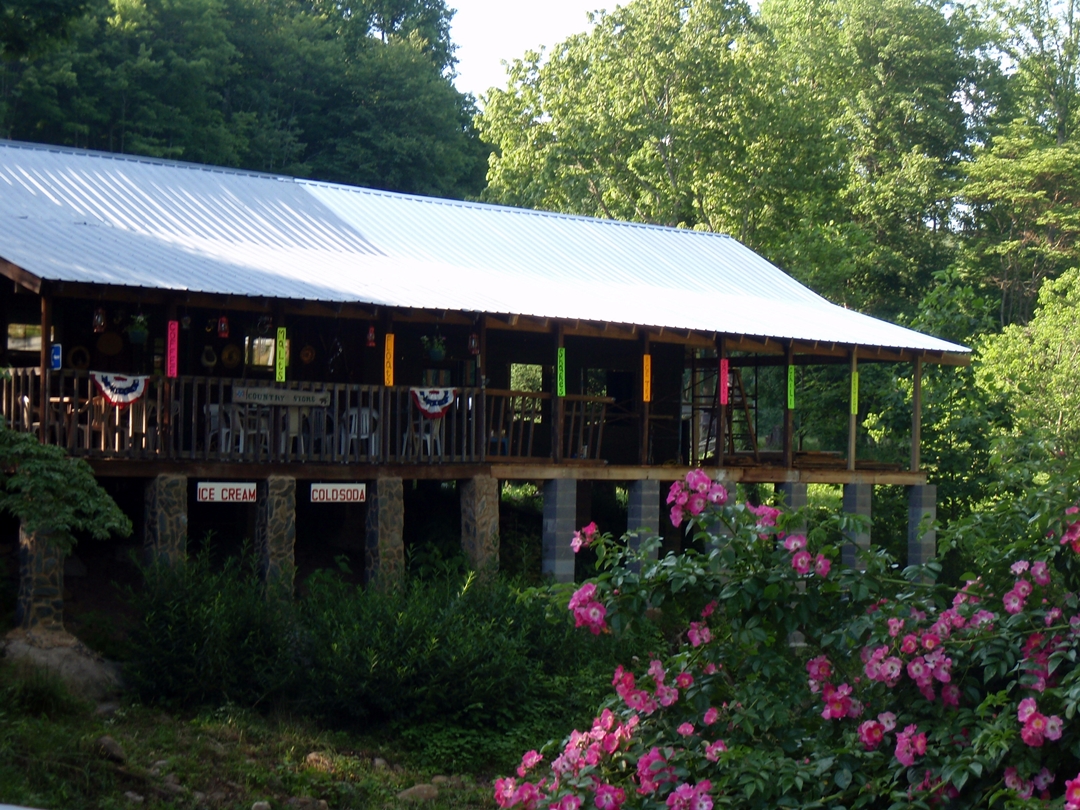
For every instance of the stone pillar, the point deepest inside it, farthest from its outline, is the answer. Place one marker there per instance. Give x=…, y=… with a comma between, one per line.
x=794, y=494
x=166, y=519
x=480, y=521
x=560, y=512
x=275, y=528
x=385, y=546
x=41, y=584
x=857, y=500
x=922, y=502
x=643, y=511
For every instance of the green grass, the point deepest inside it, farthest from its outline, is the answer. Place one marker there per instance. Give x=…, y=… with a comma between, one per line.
x=221, y=758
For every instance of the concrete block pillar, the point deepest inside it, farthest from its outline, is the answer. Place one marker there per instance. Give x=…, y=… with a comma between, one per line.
x=385, y=545
x=922, y=503
x=480, y=521
x=643, y=511
x=41, y=584
x=857, y=501
x=794, y=494
x=275, y=528
x=560, y=513
x=166, y=519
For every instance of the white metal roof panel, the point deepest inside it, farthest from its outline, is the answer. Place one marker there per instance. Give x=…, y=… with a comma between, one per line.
x=69, y=215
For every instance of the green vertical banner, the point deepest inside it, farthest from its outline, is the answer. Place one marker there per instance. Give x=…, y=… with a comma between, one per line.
x=281, y=360
x=791, y=388
x=854, y=393
x=560, y=376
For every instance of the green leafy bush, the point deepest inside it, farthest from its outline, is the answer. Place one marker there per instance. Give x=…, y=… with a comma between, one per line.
x=207, y=635
x=464, y=669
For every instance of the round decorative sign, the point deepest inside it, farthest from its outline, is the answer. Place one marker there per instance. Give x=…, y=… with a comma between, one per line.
x=231, y=356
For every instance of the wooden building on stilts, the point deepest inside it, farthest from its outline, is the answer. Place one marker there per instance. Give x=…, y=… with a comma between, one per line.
x=219, y=339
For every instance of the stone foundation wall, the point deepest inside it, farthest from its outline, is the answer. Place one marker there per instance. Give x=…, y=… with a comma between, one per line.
x=385, y=544
x=480, y=521
x=166, y=519
x=41, y=584
x=275, y=528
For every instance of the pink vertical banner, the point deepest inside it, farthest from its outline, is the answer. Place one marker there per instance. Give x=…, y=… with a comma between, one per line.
x=723, y=381
x=172, y=349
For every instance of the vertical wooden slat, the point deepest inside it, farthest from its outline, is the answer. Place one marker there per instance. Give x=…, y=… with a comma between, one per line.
x=789, y=413
x=853, y=417
x=916, y=415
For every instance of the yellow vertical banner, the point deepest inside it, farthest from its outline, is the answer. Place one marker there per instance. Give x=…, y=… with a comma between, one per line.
x=791, y=388
x=281, y=356
x=855, y=393
x=388, y=360
x=560, y=375
x=646, y=378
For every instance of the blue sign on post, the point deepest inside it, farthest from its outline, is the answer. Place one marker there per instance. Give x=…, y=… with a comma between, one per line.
x=57, y=356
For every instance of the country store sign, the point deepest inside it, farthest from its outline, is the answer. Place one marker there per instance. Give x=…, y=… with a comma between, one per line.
x=338, y=493
x=279, y=396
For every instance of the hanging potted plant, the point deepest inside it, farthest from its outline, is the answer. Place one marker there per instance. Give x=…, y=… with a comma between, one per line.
x=138, y=329
x=435, y=346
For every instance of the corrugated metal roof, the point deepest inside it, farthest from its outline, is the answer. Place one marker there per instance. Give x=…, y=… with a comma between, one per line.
x=70, y=215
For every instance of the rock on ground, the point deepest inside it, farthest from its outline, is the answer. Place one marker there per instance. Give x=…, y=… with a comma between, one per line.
x=419, y=793
x=85, y=673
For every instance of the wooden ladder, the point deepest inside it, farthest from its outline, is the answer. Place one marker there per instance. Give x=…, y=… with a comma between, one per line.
x=741, y=429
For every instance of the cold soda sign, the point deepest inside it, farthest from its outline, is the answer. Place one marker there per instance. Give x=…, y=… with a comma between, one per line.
x=338, y=493
x=230, y=492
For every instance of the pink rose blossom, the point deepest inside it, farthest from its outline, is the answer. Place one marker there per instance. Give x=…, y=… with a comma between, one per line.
x=800, y=561
x=711, y=716
x=822, y=565
x=609, y=797
x=795, y=542
x=714, y=750
x=887, y=720
x=686, y=729
x=1040, y=573
x=871, y=733
x=584, y=537
x=1019, y=567
x=684, y=680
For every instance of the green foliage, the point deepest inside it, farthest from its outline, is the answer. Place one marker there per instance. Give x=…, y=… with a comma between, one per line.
x=1035, y=368
x=359, y=95
x=54, y=494
x=727, y=713
x=209, y=636
x=28, y=26
x=439, y=661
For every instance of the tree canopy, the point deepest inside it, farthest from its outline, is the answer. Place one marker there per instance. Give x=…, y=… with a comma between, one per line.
x=359, y=94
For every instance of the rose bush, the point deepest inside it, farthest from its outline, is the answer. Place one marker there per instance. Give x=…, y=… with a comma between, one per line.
x=790, y=682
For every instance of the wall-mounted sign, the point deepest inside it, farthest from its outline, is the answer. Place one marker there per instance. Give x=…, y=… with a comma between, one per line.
x=338, y=493
x=172, y=349
x=280, y=396
x=725, y=394
x=56, y=357
x=791, y=388
x=646, y=378
x=388, y=360
x=229, y=492
x=560, y=377
x=855, y=393
x=280, y=358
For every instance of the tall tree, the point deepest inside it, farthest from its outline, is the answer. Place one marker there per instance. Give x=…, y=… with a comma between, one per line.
x=27, y=26
x=357, y=95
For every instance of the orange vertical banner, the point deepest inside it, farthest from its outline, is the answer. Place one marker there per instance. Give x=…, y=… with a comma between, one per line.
x=388, y=360
x=646, y=378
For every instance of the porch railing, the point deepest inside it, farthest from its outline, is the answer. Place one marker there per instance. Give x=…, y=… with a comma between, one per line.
x=198, y=418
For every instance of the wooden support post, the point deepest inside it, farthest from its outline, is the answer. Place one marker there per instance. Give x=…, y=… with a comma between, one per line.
x=46, y=352
x=789, y=410
x=916, y=416
x=557, y=394
x=721, y=401
x=645, y=406
x=853, y=410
